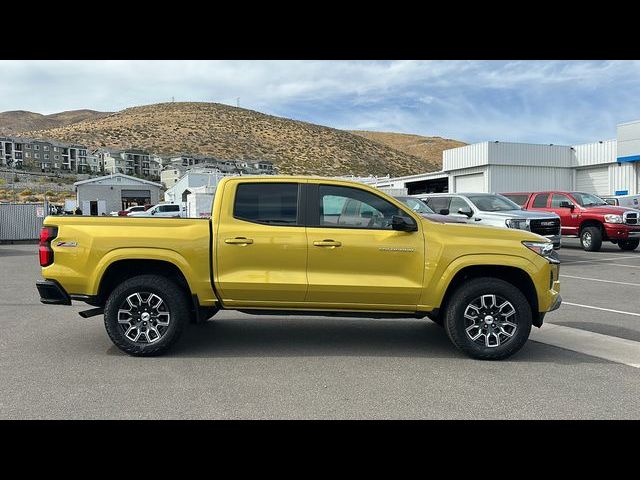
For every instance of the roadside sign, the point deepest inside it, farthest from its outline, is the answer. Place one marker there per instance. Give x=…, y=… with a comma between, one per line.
x=40, y=212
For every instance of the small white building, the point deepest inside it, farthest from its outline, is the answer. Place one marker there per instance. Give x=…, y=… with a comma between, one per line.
x=187, y=184
x=603, y=167
x=102, y=195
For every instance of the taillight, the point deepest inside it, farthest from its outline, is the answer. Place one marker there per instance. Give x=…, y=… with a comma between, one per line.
x=46, y=253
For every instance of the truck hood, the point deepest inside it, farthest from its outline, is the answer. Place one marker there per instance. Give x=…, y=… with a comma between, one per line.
x=608, y=209
x=520, y=214
x=485, y=233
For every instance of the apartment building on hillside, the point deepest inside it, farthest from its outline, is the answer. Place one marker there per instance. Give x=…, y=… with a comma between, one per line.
x=130, y=162
x=44, y=155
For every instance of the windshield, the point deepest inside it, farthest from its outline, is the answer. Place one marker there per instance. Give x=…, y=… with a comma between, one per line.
x=493, y=203
x=416, y=205
x=588, y=200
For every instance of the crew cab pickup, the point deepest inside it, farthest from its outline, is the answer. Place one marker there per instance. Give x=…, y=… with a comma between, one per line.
x=286, y=245
x=586, y=216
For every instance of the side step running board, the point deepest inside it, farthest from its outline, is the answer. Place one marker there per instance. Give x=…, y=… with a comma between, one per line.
x=91, y=312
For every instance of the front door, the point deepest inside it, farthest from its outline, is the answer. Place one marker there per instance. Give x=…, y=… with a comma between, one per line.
x=260, y=256
x=355, y=259
x=569, y=217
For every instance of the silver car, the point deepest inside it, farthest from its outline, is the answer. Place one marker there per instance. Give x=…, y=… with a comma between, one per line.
x=494, y=210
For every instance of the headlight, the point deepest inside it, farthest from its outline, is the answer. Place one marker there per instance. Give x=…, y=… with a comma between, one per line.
x=518, y=223
x=544, y=249
x=611, y=218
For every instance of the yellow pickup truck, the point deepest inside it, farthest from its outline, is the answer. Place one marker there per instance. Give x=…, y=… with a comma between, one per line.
x=300, y=246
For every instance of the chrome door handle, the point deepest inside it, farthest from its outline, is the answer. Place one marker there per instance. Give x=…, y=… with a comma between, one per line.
x=238, y=241
x=327, y=243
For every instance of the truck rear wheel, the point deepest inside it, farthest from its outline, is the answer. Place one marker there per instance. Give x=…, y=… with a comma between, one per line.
x=630, y=244
x=591, y=239
x=488, y=318
x=145, y=315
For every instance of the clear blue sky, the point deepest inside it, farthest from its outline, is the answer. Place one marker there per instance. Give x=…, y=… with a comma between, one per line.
x=561, y=102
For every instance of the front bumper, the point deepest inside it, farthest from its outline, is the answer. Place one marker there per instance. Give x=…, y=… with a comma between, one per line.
x=620, y=231
x=556, y=304
x=52, y=293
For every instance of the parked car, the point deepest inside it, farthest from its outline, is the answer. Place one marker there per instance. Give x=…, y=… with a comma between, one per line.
x=132, y=209
x=494, y=210
x=630, y=201
x=282, y=245
x=160, y=210
x=586, y=216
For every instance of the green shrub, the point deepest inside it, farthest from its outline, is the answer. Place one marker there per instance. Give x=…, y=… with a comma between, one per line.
x=49, y=193
x=2, y=181
x=26, y=192
x=16, y=179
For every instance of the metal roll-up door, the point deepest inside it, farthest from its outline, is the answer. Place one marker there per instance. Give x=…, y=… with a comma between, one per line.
x=470, y=183
x=593, y=180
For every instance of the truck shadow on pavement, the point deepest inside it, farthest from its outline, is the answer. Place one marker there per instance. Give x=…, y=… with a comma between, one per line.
x=300, y=337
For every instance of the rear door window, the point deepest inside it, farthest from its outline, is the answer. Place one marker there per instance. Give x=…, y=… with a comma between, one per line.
x=540, y=201
x=268, y=203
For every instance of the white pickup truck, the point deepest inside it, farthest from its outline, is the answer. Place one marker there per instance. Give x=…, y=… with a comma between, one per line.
x=494, y=210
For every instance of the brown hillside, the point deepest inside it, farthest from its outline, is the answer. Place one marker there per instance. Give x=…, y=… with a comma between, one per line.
x=429, y=149
x=234, y=133
x=17, y=121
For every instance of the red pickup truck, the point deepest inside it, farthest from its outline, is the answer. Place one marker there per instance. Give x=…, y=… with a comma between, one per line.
x=586, y=216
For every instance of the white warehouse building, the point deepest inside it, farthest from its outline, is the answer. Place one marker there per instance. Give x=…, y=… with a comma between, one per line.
x=604, y=167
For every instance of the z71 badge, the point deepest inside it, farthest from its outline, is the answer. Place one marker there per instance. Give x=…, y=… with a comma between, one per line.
x=67, y=244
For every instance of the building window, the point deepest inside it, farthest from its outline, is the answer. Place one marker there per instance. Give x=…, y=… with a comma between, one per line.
x=27, y=154
x=36, y=155
x=45, y=148
x=46, y=156
x=55, y=149
x=27, y=146
x=56, y=157
x=36, y=147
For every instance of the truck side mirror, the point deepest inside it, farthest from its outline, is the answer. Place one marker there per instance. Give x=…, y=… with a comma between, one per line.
x=466, y=211
x=567, y=205
x=403, y=224
x=444, y=211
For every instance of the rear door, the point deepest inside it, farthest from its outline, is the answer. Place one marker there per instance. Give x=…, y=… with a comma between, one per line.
x=356, y=260
x=261, y=245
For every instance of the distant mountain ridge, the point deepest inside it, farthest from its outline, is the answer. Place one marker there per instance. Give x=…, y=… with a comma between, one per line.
x=428, y=149
x=16, y=121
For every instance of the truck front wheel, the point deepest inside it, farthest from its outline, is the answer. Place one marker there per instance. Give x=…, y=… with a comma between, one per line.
x=145, y=315
x=630, y=244
x=488, y=318
x=591, y=239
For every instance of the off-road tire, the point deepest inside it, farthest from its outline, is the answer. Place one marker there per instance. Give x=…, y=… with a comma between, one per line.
x=630, y=244
x=591, y=239
x=455, y=323
x=174, y=297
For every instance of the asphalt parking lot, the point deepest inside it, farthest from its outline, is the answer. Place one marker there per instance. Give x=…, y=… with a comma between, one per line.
x=56, y=365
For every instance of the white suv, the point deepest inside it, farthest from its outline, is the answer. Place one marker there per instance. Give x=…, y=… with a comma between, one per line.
x=161, y=210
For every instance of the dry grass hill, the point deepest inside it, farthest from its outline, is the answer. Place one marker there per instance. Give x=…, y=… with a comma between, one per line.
x=20, y=121
x=228, y=132
x=428, y=149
